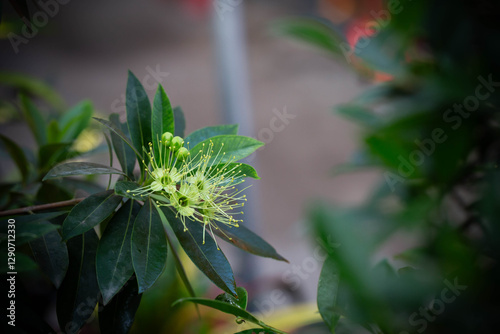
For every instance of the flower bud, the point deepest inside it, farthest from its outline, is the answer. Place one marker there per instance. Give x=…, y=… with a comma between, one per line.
x=182, y=154
x=166, y=138
x=177, y=143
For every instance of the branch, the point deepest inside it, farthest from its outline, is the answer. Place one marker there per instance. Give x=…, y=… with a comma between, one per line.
x=32, y=208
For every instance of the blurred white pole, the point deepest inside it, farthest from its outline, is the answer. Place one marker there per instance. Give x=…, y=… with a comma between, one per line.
x=233, y=80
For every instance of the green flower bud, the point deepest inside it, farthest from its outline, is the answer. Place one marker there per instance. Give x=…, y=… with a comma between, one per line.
x=166, y=138
x=177, y=143
x=182, y=154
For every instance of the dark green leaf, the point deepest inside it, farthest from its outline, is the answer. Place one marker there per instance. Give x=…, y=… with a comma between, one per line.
x=73, y=122
x=90, y=212
x=51, y=255
x=17, y=155
x=138, y=113
x=162, y=119
x=241, y=300
x=38, y=217
x=51, y=154
x=223, y=307
x=23, y=263
x=207, y=257
x=114, y=260
x=31, y=231
x=358, y=114
x=235, y=148
x=245, y=239
x=35, y=120
x=80, y=168
x=124, y=152
x=256, y=331
x=200, y=135
x=328, y=289
x=149, y=246
x=180, y=122
x=118, y=316
x=121, y=188
x=117, y=130
x=79, y=292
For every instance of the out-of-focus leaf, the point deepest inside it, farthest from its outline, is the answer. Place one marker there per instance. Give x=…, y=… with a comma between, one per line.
x=138, y=113
x=31, y=231
x=35, y=120
x=223, y=307
x=124, y=152
x=80, y=168
x=207, y=257
x=73, y=122
x=358, y=114
x=51, y=154
x=118, y=316
x=180, y=122
x=114, y=260
x=117, y=130
x=245, y=239
x=17, y=155
x=256, y=331
x=328, y=289
x=149, y=246
x=196, y=137
x=90, y=212
x=79, y=291
x=51, y=255
x=53, y=132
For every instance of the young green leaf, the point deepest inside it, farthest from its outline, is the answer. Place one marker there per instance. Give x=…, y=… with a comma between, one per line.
x=51, y=154
x=51, y=254
x=196, y=137
x=114, y=260
x=80, y=168
x=207, y=257
x=35, y=120
x=229, y=147
x=90, y=212
x=73, y=122
x=17, y=156
x=138, y=113
x=149, y=246
x=79, y=292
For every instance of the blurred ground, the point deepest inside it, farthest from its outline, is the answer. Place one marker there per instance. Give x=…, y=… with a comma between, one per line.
x=88, y=47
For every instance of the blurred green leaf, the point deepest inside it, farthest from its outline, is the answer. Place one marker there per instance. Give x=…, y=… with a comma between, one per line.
x=207, y=257
x=30, y=231
x=74, y=121
x=180, y=122
x=51, y=254
x=53, y=132
x=114, y=128
x=138, y=113
x=35, y=120
x=359, y=114
x=149, y=246
x=196, y=137
x=328, y=288
x=52, y=154
x=89, y=212
x=114, y=260
x=79, y=292
x=79, y=168
x=17, y=155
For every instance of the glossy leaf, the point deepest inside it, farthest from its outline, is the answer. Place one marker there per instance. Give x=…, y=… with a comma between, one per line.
x=17, y=155
x=74, y=121
x=121, y=188
x=207, y=257
x=162, y=118
x=90, y=212
x=328, y=289
x=223, y=307
x=241, y=170
x=80, y=168
x=200, y=135
x=79, y=292
x=51, y=254
x=35, y=120
x=114, y=260
x=118, y=316
x=245, y=239
x=180, y=122
x=149, y=246
x=138, y=113
x=235, y=148
x=241, y=300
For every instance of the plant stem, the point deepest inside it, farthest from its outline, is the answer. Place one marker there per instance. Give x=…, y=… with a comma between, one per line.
x=30, y=209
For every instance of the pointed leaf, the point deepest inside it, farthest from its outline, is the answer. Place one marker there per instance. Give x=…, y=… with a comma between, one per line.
x=118, y=316
x=90, y=212
x=223, y=307
x=328, y=289
x=200, y=135
x=180, y=122
x=240, y=170
x=114, y=260
x=17, y=155
x=31, y=231
x=79, y=292
x=80, y=168
x=51, y=154
x=235, y=148
x=117, y=130
x=207, y=257
x=121, y=188
x=73, y=122
x=124, y=152
x=35, y=120
x=162, y=118
x=245, y=239
x=149, y=246
x=51, y=255
x=138, y=113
